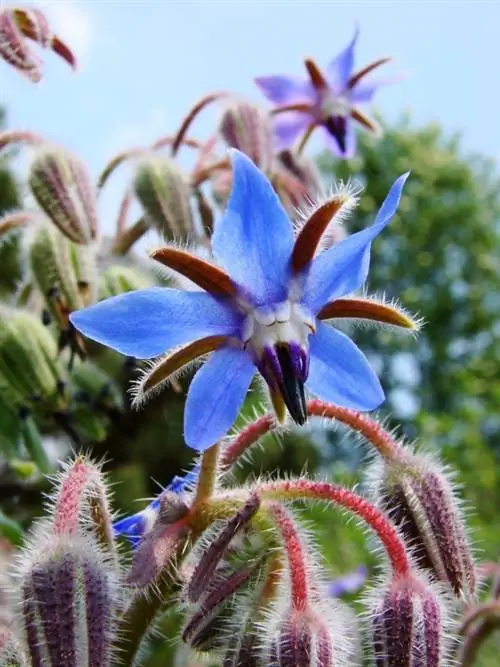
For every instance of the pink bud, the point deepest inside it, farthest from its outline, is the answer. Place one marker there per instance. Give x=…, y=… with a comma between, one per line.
x=14, y=49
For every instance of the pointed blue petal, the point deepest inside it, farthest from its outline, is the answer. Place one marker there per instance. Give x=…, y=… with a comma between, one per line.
x=339, y=71
x=285, y=90
x=363, y=92
x=340, y=373
x=254, y=239
x=215, y=397
x=148, y=322
x=343, y=268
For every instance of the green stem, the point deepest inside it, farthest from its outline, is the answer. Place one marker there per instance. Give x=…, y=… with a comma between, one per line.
x=34, y=444
x=207, y=476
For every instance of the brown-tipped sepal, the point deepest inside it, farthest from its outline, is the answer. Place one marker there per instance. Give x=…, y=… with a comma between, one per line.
x=248, y=128
x=408, y=625
x=370, y=310
x=63, y=189
x=164, y=194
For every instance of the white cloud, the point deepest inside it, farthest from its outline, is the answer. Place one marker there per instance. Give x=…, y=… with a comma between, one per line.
x=71, y=22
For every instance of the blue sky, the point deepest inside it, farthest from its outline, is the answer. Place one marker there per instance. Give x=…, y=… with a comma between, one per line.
x=144, y=63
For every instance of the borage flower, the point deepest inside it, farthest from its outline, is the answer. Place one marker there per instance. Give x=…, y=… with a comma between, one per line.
x=135, y=526
x=328, y=100
x=261, y=309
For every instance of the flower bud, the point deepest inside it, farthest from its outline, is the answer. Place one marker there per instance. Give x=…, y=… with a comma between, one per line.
x=298, y=180
x=63, y=189
x=164, y=194
x=29, y=364
x=68, y=602
x=13, y=47
x=248, y=128
x=421, y=501
x=408, y=625
x=119, y=279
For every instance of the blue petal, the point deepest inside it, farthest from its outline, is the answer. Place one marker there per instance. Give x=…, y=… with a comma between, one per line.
x=215, y=397
x=340, y=69
x=363, y=93
x=343, y=268
x=253, y=241
x=285, y=90
x=147, y=322
x=340, y=373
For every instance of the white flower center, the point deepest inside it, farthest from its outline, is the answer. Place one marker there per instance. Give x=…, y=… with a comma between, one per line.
x=284, y=322
x=334, y=105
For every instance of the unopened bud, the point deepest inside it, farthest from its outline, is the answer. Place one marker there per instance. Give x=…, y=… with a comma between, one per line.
x=119, y=279
x=164, y=194
x=29, y=365
x=11, y=654
x=421, y=501
x=297, y=180
x=408, y=625
x=14, y=49
x=52, y=263
x=68, y=603
x=248, y=128
x=63, y=189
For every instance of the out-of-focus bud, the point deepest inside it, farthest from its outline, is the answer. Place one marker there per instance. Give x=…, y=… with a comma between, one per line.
x=63, y=189
x=419, y=497
x=118, y=279
x=15, y=25
x=297, y=181
x=161, y=529
x=28, y=361
x=66, y=275
x=164, y=193
x=68, y=602
x=248, y=128
x=11, y=654
x=408, y=625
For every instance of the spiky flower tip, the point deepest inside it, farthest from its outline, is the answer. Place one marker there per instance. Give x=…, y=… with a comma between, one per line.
x=418, y=494
x=408, y=621
x=63, y=189
x=163, y=191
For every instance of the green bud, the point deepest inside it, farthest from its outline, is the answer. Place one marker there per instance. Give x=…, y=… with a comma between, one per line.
x=63, y=189
x=29, y=363
x=164, y=194
x=118, y=279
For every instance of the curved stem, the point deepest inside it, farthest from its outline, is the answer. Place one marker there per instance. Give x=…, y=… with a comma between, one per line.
x=130, y=236
x=304, y=489
x=199, y=106
x=475, y=640
x=486, y=609
x=245, y=439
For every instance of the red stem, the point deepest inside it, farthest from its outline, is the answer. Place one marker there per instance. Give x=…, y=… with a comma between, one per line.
x=295, y=553
x=301, y=489
x=245, y=439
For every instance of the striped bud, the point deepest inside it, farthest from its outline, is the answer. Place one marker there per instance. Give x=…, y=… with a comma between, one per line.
x=164, y=194
x=119, y=279
x=408, y=625
x=63, y=189
x=29, y=365
x=248, y=128
x=418, y=496
x=68, y=602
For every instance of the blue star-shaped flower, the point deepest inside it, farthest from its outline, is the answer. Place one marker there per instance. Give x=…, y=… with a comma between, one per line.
x=262, y=310
x=327, y=99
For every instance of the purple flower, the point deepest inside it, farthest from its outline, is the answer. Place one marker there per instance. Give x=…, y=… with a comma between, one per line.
x=327, y=100
x=349, y=583
x=261, y=309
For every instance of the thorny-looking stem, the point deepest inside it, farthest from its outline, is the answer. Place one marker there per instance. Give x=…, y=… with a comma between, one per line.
x=245, y=439
x=304, y=489
x=294, y=550
x=371, y=430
